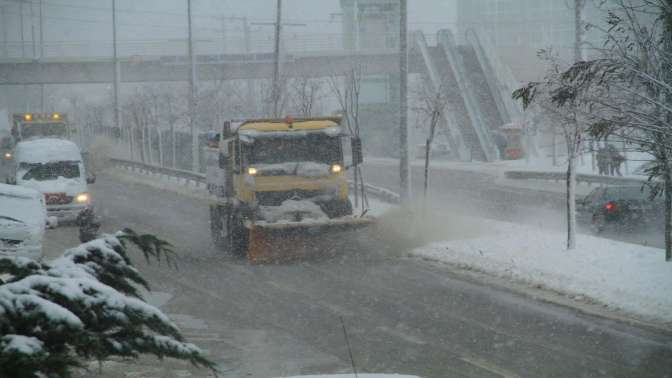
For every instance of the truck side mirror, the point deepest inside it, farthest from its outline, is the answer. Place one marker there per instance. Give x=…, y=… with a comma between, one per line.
x=91, y=178
x=356, y=147
x=224, y=154
x=222, y=161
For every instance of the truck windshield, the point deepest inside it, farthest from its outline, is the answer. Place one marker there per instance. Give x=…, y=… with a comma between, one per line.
x=54, y=129
x=50, y=171
x=314, y=148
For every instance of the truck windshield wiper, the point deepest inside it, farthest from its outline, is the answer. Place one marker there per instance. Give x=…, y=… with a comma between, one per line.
x=12, y=219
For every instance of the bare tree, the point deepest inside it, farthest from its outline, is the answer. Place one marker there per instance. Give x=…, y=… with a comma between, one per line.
x=554, y=96
x=305, y=95
x=430, y=107
x=269, y=94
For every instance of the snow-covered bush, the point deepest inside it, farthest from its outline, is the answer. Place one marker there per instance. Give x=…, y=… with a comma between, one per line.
x=85, y=304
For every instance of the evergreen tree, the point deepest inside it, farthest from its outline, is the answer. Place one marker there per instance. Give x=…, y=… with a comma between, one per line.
x=85, y=304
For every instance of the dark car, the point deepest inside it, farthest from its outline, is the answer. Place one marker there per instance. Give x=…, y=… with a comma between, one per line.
x=622, y=206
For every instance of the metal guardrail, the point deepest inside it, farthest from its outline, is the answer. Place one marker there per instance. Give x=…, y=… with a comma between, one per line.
x=196, y=178
x=580, y=178
x=199, y=178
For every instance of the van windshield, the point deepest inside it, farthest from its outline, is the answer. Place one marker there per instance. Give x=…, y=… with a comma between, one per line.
x=50, y=171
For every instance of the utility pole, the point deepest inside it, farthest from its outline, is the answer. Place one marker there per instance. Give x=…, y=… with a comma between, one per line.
x=41, y=56
x=5, y=51
x=224, y=36
x=192, y=95
x=117, y=78
x=248, y=49
x=578, y=29
x=32, y=31
x=276, y=57
x=404, y=166
x=276, y=90
x=23, y=38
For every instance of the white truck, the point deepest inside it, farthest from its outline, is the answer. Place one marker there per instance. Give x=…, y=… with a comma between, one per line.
x=55, y=168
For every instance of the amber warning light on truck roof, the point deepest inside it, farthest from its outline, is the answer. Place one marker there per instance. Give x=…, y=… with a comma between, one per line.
x=27, y=117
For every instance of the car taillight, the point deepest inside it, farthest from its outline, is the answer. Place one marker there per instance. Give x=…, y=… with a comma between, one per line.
x=610, y=206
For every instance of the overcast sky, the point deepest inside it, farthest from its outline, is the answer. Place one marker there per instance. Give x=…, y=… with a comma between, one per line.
x=89, y=21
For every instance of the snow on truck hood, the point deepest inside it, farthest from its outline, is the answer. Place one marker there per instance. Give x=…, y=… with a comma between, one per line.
x=70, y=186
x=303, y=169
x=47, y=150
x=248, y=135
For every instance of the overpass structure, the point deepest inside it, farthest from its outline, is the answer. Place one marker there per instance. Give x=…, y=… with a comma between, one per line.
x=475, y=83
x=209, y=67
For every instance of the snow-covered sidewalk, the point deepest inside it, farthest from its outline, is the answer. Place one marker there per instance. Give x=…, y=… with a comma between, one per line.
x=625, y=277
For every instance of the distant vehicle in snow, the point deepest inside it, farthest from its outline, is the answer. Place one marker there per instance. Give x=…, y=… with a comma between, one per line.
x=23, y=217
x=629, y=206
x=55, y=168
x=26, y=126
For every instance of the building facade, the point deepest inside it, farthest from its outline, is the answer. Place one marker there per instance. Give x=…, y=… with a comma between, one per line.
x=374, y=25
x=520, y=28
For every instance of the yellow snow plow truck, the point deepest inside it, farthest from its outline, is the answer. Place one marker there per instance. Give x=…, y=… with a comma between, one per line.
x=281, y=187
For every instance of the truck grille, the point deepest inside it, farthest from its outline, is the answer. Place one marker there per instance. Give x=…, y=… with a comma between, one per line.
x=57, y=199
x=277, y=198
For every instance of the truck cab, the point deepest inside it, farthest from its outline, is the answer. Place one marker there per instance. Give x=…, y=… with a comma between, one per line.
x=55, y=168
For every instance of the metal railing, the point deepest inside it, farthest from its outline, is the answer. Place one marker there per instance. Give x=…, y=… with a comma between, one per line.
x=456, y=140
x=504, y=78
x=447, y=41
x=134, y=166
x=497, y=90
x=580, y=178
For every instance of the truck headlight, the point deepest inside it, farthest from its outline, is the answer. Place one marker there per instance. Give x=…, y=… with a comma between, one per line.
x=82, y=197
x=8, y=155
x=251, y=171
x=336, y=168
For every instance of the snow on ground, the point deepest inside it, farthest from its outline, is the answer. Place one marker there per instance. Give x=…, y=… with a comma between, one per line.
x=535, y=164
x=625, y=277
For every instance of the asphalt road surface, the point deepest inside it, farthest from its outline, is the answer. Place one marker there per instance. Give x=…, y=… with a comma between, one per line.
x=402, y=315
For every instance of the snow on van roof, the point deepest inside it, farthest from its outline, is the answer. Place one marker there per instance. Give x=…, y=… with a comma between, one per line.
x=47, y=150
x=19, y=191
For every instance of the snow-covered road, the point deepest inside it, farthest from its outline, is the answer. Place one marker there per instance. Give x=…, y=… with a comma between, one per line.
x=403, y=316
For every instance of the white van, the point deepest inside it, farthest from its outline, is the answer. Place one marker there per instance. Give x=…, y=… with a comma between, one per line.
x=23, y=216
x=55, y=168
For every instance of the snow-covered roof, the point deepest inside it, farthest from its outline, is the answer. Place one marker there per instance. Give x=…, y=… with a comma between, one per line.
x=47, y=150
x=19, y=191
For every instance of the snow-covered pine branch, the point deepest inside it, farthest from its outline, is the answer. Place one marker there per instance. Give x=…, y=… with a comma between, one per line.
x=84, y=305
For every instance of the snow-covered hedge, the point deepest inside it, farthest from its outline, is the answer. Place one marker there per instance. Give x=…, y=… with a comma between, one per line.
x=84, y=305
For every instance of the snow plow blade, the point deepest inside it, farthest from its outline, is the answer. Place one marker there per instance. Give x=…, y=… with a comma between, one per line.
x=287, y=241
